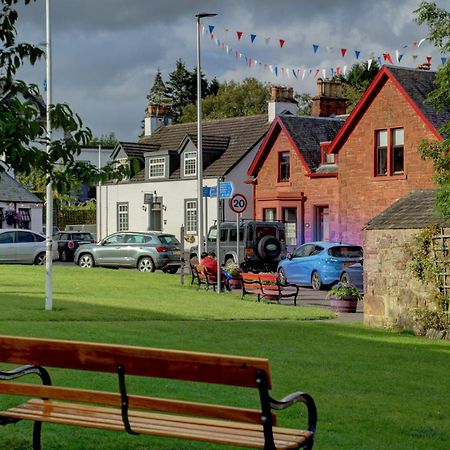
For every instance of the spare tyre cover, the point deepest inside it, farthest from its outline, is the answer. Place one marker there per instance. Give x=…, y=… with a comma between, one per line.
x=269, y=247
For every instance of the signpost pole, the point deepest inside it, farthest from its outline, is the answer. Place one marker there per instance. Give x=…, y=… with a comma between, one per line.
x=237, y=236
x=182, y=255
x=218, y=237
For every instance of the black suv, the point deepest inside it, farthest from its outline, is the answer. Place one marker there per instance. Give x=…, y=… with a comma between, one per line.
x=69, y=241
x=261, y=244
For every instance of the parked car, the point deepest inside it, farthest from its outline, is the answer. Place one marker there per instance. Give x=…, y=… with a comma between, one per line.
x=146, y=251
x=318, y=264
x=353, y=275
x=23, y=247
x=69, y=241
x=261, y=244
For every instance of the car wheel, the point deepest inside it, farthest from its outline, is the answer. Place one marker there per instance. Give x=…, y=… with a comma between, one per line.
x=316, y=281
x=86, y=261
x=345, y=279
x=172, y=270
x=40, y=259
x=146, y=264
x=282, y=277
x=63, y=256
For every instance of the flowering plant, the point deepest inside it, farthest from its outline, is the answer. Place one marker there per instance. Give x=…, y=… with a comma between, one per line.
x=12, y=216
x=341, y=291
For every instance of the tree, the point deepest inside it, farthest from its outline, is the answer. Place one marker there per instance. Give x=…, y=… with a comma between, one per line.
x=158, y=92
x=438, y=21
x=233, y=99
x=105, y=140
x=356, y=82
x=178, y=89
x=304, y=102
x=23, y=131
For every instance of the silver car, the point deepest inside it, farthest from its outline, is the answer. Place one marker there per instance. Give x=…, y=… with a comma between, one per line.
x=23, y=247
x=146, y=251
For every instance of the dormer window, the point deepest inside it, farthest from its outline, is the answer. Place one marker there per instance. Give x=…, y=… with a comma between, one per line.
x=190, y=164
x=329, y=158
x=156, y=167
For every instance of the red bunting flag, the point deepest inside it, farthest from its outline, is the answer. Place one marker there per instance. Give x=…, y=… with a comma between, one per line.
x=281, y=43
x=343, y=51
x=317, y=73
x=387, y=57
x=338, y=70
x=429, y=59
x=212, y=36
x=249, y=62
x=239, y=35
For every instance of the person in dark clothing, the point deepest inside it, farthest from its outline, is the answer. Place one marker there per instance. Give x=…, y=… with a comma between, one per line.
x=210, y=262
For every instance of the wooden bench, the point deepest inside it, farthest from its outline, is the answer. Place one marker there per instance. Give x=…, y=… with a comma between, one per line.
x=204, y=276
x=137, y=414
x=267, y=286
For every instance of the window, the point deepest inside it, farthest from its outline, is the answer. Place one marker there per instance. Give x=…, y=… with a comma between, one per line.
x=25, y=218
x=7, y=237
x=290, y=218
x=390, y=152
x=2, y=217
x=115, y=239
x=269, y=214
x=122, y=217
x=156, y=167
x=190, y=164
x=190, y=216
x=23, y=236
x=283, y=166
x=328, y=158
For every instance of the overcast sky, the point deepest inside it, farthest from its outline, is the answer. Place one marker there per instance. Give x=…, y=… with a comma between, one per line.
x=106, y=52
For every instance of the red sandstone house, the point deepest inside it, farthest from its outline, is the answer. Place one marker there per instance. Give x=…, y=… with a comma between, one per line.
x=372, y=160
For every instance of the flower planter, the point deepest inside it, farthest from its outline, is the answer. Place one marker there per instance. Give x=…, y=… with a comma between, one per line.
x=235, y=282
x=346, y=304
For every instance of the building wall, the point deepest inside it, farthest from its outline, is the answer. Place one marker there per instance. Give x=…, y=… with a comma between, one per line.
x=391, y=290
x=270, y=193
x=361, y=195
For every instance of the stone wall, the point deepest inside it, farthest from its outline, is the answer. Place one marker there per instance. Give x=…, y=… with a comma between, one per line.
x=391, y=289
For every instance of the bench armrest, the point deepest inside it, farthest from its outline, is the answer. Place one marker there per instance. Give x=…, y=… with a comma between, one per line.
x=298, y=397
x=26, y=370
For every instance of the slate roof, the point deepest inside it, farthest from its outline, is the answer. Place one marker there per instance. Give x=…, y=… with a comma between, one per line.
x=418, y=84
x=416, y=210
x=134, y=149
x=308, y=132
x=242, y=134
x=12, y=191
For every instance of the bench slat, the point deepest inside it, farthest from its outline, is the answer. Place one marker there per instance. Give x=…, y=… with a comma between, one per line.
x=232, y=433
x=153, y=362
x=134, y=401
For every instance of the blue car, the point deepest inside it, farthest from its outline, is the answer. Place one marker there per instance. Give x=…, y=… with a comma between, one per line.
x=318, y=264
x=353, y=275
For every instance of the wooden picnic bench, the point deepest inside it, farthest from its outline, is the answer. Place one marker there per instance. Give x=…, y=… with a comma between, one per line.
x=138, y=414
x=268, y=286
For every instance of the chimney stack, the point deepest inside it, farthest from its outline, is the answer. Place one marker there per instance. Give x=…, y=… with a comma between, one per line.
x=281, y=102
x=156, y=117
x=328, y=100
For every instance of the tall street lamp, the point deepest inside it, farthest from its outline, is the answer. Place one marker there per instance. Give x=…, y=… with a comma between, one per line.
x=199, y=139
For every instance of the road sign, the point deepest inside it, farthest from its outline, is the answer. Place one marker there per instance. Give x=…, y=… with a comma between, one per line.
x=206, y=191
x=226, y=189
x=238, y=203
x=213, y=191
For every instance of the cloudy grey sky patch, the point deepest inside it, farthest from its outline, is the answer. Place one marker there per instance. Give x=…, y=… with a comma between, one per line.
x=106, y=52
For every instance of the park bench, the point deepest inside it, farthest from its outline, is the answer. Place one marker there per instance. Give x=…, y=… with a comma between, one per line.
x=268, y=286
x=138, y=414
x=204, y=276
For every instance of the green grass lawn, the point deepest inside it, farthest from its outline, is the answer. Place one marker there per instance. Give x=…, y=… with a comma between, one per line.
x=374, y=389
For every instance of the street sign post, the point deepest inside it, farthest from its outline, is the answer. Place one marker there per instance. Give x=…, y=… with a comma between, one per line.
x=226, y=189
x=238, y=204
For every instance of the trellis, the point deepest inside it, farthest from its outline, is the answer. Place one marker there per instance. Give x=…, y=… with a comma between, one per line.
x=441, y=253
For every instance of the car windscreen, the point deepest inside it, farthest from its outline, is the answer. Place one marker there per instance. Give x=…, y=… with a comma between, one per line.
x=262, y=231
x=346, y=251
x=82, y=237
x=169, y=239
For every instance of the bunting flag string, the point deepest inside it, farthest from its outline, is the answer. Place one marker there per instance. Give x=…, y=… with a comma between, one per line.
x=303, y=73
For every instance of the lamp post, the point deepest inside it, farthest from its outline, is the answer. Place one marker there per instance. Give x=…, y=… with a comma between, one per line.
x=199, y=139
x=49, y=192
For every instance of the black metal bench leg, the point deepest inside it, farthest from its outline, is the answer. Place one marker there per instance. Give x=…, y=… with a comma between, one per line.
x=37, y=435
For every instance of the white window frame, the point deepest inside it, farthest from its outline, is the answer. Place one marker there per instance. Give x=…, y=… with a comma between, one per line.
x=190, y=162
x=156, y=164
x=123, y=221
x=190, y=216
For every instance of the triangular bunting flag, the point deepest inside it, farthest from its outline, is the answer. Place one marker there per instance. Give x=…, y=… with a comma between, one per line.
x=315, y=48
x=338, y=70
x=293, y=72
x=369, y=64
x=429, y=59
x=267, y=40
x=387, y=57
x=357, y=53
x=332, y=72
x=397, y=53
x=271, y=68
x=343, y=51
x=400, y=57
x=414, y=57
x=211, y=28
x=317, y=73
x=239, y=35
x=249, y=62
x=324, y=73
x=420, y=42
x=303, y=74
x=380, y=63
x=443, y=59
x=344, y=71
x=246, y=60
x=281, y=43
x=276, y=71
x=253, y=37
x=212, y=36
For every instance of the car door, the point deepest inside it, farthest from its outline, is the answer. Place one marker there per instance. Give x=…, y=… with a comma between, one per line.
x=298, y=267
x=7, y=254
x=109, y=251
x=26, y=247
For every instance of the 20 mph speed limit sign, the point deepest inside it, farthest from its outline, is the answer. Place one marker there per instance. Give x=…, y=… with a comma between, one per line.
x=238, y=203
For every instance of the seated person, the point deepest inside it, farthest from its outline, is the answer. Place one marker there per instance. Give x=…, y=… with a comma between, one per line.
x=210, y=262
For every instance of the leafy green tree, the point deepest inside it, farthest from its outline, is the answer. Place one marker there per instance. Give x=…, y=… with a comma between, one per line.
x=105, y=140
x=23, y=131
x=304, y=102
x=180, y=81
x=438, y=21
x=233, y=99
x=356, y=82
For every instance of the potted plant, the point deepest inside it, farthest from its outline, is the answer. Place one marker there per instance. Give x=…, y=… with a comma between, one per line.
x=233, y=269
x=344, y=297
